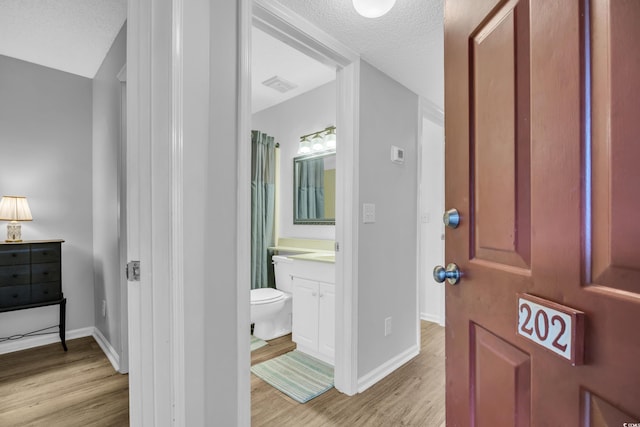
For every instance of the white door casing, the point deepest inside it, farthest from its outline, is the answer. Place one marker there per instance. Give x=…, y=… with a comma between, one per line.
x=164, y=377
x=430, y=209
x=122, y=225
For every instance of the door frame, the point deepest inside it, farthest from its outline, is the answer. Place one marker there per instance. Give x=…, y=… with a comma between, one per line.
x=299, y=33
x=430, y=112
x=123, y=366
x=155, y=184
x=149, y=210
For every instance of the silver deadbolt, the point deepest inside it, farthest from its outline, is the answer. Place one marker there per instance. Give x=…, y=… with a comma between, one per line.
x=451, y=218
x=452, y=274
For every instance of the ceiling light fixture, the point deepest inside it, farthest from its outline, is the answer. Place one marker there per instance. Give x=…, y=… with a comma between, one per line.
x=373, y=8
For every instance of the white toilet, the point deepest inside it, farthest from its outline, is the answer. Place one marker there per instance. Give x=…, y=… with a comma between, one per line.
x=271, y=308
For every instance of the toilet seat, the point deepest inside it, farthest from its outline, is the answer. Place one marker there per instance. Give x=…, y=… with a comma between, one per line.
x=266, y=295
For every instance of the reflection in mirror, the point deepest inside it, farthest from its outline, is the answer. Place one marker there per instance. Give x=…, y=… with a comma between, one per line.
x=314, y=189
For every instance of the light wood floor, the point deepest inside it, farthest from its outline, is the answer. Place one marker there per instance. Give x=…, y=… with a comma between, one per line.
x=47, y=387
x=414, y=395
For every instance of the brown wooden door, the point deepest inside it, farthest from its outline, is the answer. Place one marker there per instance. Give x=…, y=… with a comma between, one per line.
x=542, y=117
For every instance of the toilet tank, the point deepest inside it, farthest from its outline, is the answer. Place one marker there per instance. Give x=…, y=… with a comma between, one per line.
x=282, y=271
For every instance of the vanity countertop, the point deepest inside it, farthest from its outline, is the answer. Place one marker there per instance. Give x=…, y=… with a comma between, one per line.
x=324, y=256
x=291, y=250
x=305, y=254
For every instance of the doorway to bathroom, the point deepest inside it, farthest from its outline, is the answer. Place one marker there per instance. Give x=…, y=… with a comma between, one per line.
x=340, y=94
x=293, y=101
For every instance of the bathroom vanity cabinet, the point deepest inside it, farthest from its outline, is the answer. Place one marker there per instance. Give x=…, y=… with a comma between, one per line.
x=314, y=318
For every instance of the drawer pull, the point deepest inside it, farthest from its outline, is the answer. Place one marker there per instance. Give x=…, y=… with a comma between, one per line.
x=14, y=276
x=44, y=273
x=44, y=253
x=15, y=295
x=46, y=292
x=14, y=254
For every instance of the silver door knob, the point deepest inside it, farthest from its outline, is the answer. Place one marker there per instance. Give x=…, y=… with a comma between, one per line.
x=451, y=218
x=452, y=274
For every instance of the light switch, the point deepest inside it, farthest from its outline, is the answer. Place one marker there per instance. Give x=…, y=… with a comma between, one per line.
x=397, y=154
x=368, y=213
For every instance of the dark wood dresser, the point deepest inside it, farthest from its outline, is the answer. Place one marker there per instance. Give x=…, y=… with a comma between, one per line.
x=31, y=276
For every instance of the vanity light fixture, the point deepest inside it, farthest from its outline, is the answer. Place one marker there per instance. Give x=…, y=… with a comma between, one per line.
x=373, y=8
x=323, y=140
x=14, y=209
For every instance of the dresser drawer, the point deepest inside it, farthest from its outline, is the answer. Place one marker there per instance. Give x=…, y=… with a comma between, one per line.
x=14, y=254
x=45, y=252
x=15, y=275
x=49, y=272
x=43, y=292
x=11, y=296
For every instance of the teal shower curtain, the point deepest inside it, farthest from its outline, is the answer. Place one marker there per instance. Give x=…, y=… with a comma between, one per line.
x=311, y=189
x=263, y=164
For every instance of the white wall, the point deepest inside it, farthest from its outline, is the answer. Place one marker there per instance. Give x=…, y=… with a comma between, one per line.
x=431, y=226
x=387, y=249
x=108, y=272
x=224, y=292
x=45, y=141
x=306, y=113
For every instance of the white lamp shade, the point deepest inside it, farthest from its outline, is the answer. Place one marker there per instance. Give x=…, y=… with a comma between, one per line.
x=373, y=8
x=14, y=208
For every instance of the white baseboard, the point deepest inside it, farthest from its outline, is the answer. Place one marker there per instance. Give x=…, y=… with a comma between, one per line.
x=107, y=349
x=385, y=369
x=40, y=340
x=431, y=318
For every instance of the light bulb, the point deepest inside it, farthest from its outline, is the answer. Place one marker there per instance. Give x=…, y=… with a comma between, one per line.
x=316, y=143
x=305, y=146
x=373, y=8
x=330, y=139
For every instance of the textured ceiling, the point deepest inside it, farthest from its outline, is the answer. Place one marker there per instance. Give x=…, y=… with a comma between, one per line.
x=75, y=35
x=68, y=35
x=407, y=43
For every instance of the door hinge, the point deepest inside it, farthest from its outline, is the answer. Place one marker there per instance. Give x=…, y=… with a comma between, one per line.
x=337, y=247
x=133, y=271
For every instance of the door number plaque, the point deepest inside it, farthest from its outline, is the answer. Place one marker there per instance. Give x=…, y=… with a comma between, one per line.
x=556, y=327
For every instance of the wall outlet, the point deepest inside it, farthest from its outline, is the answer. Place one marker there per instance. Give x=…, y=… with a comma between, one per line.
x=387, y=326
x=104, y=308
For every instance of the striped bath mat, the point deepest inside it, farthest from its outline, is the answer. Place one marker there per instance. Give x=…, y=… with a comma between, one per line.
x=256, y=343
x=297, y=375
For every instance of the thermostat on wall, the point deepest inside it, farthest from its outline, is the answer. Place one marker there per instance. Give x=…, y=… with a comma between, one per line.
x=397, y=154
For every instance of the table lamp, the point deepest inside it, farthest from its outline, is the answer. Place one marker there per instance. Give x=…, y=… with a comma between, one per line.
x=14, y=209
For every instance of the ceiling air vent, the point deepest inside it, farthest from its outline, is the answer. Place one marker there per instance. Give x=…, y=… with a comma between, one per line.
x=279, y=84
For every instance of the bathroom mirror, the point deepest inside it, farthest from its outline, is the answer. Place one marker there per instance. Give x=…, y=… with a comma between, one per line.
x=314, y=189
